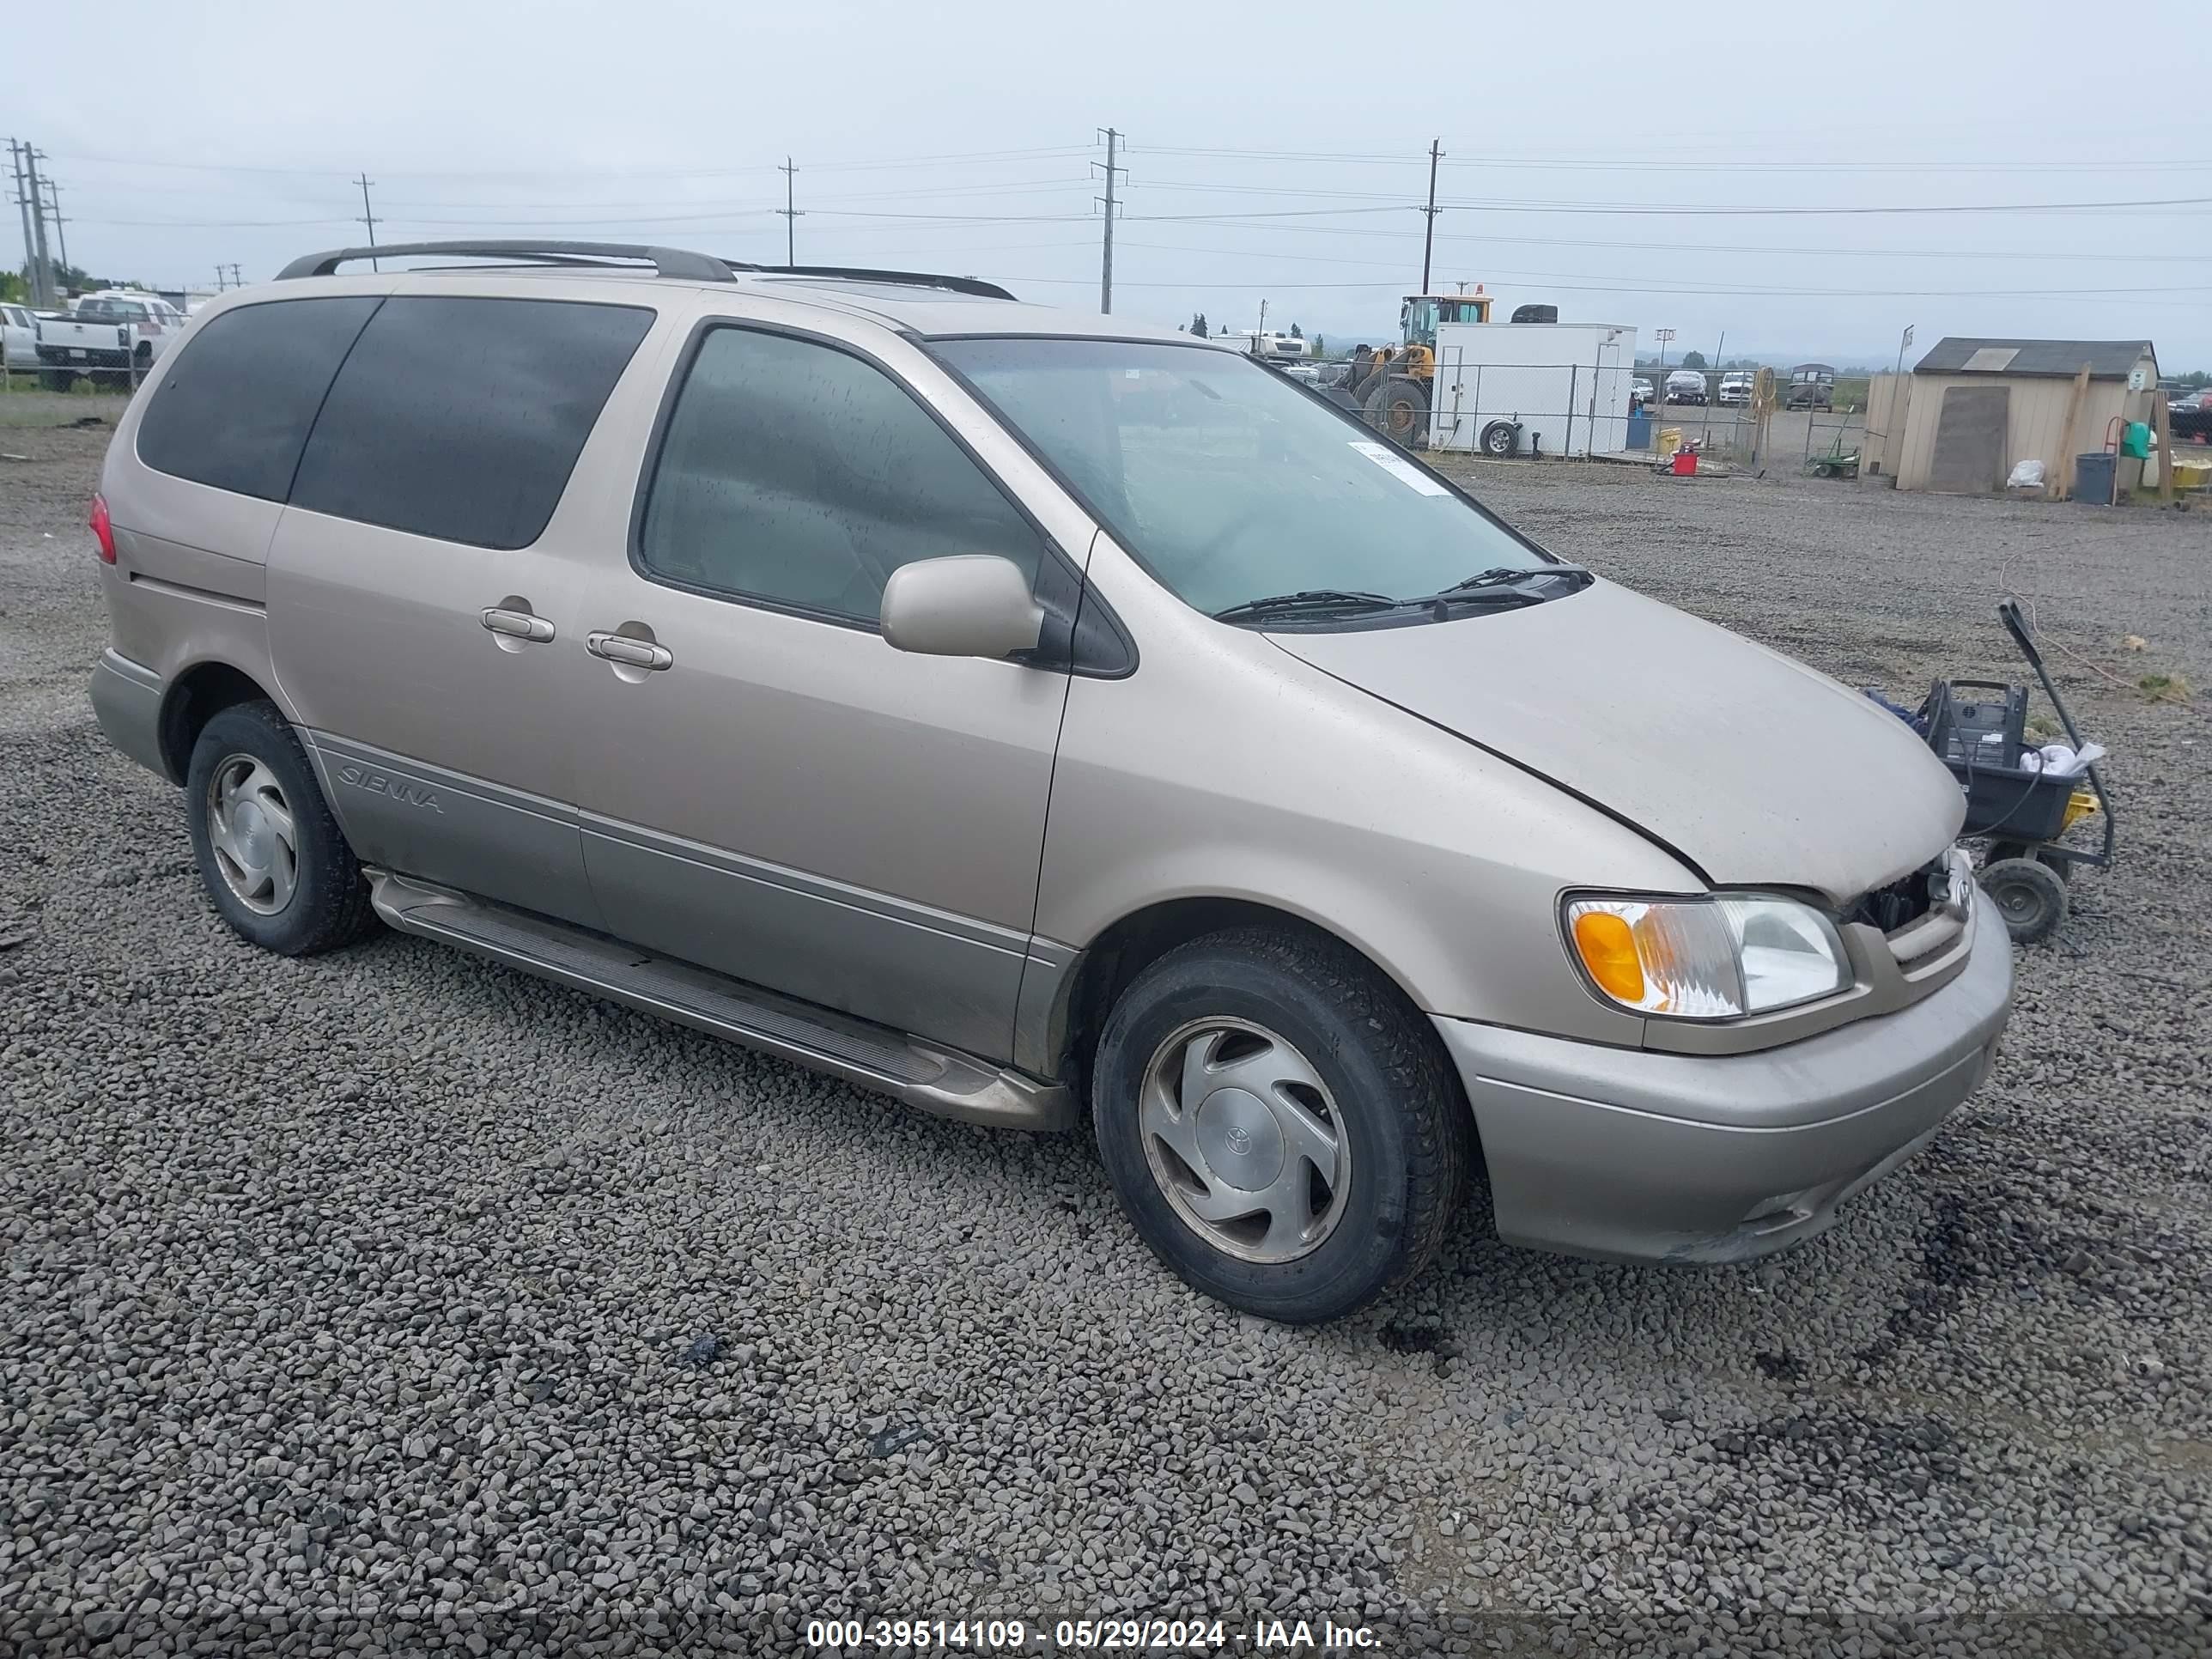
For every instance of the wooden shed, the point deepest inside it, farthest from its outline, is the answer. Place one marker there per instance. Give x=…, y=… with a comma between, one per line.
x=1976, y=409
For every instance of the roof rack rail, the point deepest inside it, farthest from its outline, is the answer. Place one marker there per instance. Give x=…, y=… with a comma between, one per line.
x=672, y=262
x=974, y=285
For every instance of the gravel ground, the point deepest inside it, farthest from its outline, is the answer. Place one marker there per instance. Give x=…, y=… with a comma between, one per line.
x=394, y=1299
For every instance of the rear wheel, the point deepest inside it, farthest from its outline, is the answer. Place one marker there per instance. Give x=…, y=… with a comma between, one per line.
x=1500, y=439
x=57, y=380
x=1399, y=408
x=1280, y=1126
x=270, y=853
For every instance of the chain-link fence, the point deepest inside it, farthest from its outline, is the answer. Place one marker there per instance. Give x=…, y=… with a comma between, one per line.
x=1577, y=411
x=109, y=343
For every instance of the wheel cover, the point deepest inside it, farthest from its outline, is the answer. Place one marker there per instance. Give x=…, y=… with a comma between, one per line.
x=1245, y=1139
x=252, y=833
x=2018, y=902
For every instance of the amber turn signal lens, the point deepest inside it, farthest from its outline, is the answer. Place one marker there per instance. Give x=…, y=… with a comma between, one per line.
x=1607, y=949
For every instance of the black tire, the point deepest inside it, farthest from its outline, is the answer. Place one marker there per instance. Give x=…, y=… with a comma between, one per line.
x=1500, y=439
x=1399, y=410
x=2028, y=895
x=57, y=380
x=1390, y=1096
x=327, y=903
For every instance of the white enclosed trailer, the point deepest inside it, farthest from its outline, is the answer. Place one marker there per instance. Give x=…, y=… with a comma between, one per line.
x=1565, y=386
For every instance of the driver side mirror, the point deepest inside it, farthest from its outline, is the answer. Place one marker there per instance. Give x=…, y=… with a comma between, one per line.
x=971, y=605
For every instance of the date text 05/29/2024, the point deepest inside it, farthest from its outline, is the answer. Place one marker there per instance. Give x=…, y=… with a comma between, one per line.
x=1100, y=1634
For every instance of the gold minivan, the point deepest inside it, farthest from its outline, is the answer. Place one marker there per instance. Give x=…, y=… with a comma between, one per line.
x=1034, y=716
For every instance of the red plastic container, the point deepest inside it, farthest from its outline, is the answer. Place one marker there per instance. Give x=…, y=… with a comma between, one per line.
x=1685, y=463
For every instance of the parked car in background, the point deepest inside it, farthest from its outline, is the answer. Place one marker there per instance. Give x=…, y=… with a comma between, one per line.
x=1812, y=385
x=1735, y=389
x=2189, y=418
x=1685, y=385
x=19, y=337
x=920, y=686
x=114, y=336
x=1641, y=393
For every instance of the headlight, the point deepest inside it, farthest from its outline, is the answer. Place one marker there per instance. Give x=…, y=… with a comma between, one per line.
x=1706, y=958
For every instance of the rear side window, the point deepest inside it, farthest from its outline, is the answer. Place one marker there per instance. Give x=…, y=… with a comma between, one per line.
x=235, y=405
x=461, y=419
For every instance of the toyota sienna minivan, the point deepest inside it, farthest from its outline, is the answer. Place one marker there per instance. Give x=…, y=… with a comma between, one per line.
x=1034, y=717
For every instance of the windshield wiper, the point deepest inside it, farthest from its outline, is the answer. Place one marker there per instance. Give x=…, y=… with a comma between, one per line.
x=1503, y=575
x=1310, y=600
x=1500, y=584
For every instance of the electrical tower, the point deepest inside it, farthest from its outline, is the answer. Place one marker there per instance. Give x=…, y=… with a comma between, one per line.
x=1429, y=232
x=368, y=217
x=790, y=210
x=1106, y=262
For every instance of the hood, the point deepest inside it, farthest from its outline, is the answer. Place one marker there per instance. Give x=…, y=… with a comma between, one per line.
x=1757, y=770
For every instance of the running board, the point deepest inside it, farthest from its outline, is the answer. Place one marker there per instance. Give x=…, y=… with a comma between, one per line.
x=941, y=1081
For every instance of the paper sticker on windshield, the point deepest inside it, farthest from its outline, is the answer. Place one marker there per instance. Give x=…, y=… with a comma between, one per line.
x=1400, y=468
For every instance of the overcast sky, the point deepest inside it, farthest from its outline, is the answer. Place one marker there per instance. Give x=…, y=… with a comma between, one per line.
x=1276, y=152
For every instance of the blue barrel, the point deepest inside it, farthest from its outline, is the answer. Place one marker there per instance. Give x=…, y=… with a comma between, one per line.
x=2094, y=477
x=1639, y=429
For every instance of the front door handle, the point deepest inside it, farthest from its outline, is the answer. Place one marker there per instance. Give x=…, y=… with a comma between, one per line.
x=518, y=624
x=628, y=652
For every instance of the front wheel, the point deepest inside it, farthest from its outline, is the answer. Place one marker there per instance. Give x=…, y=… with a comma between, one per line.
x=1399, y=408
x=1280, y=1125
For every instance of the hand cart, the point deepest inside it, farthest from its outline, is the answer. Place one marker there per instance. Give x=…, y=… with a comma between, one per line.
x=2021, y=815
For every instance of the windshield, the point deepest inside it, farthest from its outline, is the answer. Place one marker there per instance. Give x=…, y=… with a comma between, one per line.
x=1228, y=483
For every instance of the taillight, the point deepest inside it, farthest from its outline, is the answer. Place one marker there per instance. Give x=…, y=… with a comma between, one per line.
x=103, y=529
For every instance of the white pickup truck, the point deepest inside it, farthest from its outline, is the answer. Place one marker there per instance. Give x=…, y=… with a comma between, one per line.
x=114, y=336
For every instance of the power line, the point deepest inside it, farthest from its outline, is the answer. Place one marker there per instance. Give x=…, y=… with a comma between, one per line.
x=974, y=157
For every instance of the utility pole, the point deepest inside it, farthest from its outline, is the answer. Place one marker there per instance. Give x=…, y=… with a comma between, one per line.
x=219, y=283
x=368, y=217
x=1106, y=263
x=790, y=210
x=1429, y=234
x=54, y=200
x=23, y=208
x=43, y=283
x=236, y=281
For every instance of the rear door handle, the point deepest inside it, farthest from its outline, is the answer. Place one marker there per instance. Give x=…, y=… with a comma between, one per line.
x=518, y=624
x=630, y=652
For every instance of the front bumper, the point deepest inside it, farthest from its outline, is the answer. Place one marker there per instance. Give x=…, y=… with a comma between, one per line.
x=127, y=698
x=1632, y=1155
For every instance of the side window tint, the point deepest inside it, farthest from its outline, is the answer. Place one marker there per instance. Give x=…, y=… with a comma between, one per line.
x=233, y=407
x=462, y=418
x=797, y=473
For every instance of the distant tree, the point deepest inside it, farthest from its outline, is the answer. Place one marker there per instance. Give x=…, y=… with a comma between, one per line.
x=1296, y=333
x=1198, y=324
x=1317, y=345
x=1693, y=360
x=14, y=289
